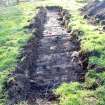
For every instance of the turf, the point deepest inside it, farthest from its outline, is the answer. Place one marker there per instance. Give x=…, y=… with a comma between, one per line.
x=92, y=40
x=12, y=38
x=91, y=92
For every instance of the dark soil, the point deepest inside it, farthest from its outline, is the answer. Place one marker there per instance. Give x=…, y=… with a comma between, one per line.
x=95, y=12
x=51, y=57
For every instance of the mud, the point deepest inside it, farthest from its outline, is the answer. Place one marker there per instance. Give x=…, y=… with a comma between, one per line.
x=50, y=58
x=94, y=11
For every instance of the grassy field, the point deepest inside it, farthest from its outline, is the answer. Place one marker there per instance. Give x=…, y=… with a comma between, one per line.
x=92, y=91
x=13, y=37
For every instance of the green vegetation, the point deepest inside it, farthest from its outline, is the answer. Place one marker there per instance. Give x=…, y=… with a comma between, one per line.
x=12, y=38
x=81, y=1
x=92, y=40
x=92, y=91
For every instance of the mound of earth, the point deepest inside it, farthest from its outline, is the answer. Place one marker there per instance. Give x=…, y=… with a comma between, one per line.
x=94, y=11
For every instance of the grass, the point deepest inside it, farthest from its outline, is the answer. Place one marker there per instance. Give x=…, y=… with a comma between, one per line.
x=12, y=38
x=92, y=40
x=92, y=91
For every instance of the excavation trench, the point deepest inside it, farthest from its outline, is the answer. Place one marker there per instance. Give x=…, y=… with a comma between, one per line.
x=49, y=58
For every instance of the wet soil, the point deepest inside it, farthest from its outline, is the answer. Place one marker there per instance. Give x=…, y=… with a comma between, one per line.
x=49, y=59
x=94, y=11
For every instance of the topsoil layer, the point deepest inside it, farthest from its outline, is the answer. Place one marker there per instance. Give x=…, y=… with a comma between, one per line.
x=95, y=12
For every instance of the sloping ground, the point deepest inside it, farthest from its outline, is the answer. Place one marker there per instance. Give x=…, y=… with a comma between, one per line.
x=49, y=59
x=95, y=12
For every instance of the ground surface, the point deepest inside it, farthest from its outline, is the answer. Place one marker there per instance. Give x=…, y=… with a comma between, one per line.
x=54, y=53
x=47, y=62
x=95, y=12
x=54, y=63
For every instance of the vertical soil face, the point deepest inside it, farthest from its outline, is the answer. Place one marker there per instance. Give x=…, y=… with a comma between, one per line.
x=47, y=60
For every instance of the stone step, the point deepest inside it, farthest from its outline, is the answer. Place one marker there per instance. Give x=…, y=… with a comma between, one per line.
x=47, y=78
x=56, y=49
x=55, y=58
x=54, y=40
x=55, y=45
x=54, y=68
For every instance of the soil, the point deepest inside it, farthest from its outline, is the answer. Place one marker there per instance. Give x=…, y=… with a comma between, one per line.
x=50, y=58
x=95, y=12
